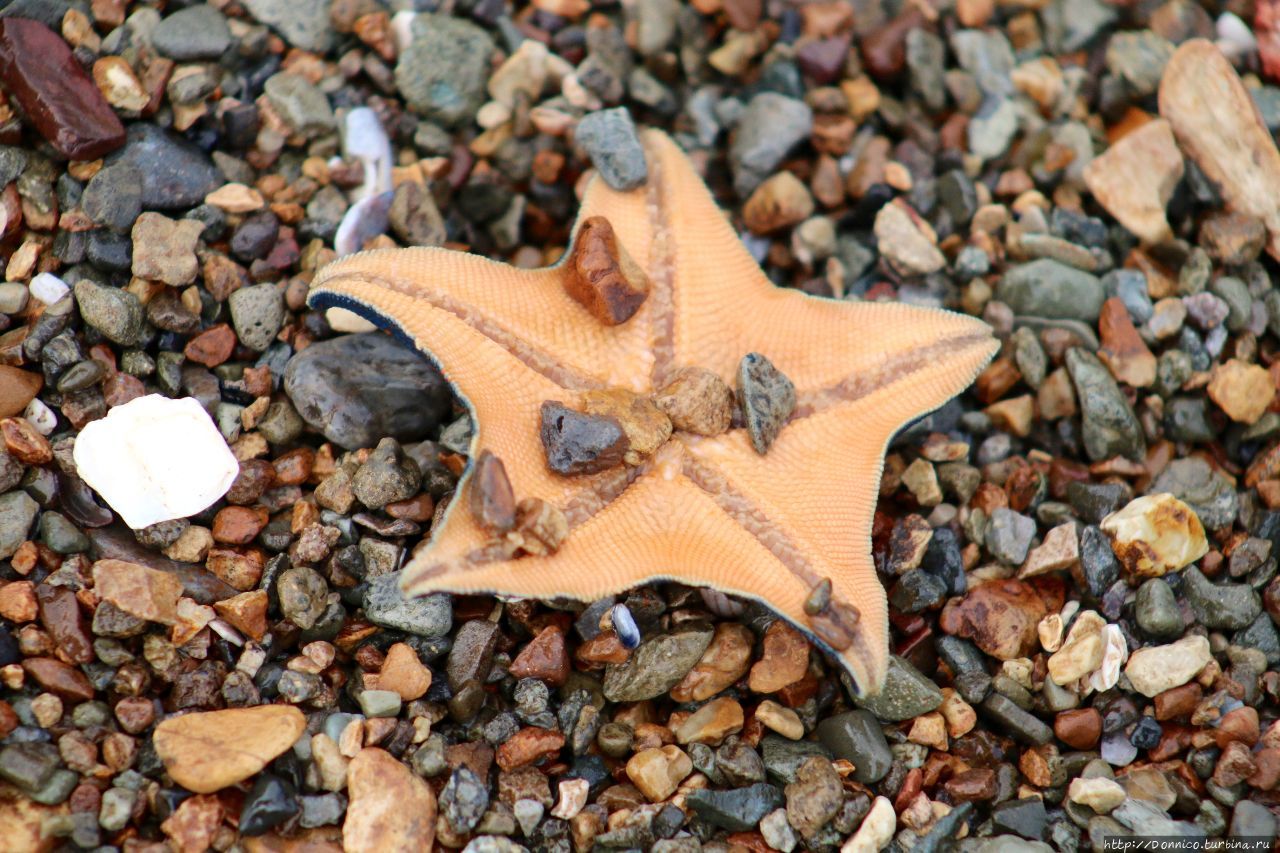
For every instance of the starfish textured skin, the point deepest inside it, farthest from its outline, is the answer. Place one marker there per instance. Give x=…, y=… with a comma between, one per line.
x=705, y=511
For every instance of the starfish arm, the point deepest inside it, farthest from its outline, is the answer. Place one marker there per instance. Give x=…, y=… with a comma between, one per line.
x=722, y=306
x=526, y=311
x=490, y=379
x=825, y=500
x=662, y=527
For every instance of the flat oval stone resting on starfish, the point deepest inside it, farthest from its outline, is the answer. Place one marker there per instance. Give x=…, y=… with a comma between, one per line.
x=790, y=527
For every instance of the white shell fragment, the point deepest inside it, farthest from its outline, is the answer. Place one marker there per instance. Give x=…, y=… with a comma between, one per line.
x=155, y=459
x=48, y=288
x=364, y=139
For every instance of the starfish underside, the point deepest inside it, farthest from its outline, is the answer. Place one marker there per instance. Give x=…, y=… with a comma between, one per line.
x=705, y=511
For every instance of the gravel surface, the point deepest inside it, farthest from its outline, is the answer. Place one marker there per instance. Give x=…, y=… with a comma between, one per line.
x=1078, y=552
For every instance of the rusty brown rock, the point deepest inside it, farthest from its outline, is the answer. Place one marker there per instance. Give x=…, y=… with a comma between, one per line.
x=646, y=426
x=784, y=661
x=211, y=347
x=238, y=525
x=493, y=503
x=529, y=745
x=1079, y=728
x=24, y=443
x=404, y=673
x=602, y=276
x=545, y=657
x=1123, y=351
x=60, y=99
x=60, y=614
x=697, y=400
x=1135, y=178
x=1000, y=617
x=1244, y=391
x=17, y=388
x=390, y=810
x=59, y=678
x=246, y=612
x=725, y=661
x=138, y=590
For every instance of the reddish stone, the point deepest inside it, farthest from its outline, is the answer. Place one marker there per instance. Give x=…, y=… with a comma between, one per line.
x=8, y=719
x=528, y=745
x=120, y=388
x=1238, y=725
x=213, y=346
x=1174, y=740
x=1079, y=729
x=1234, y=765
x=1266, y=774
x=238, y=525
x=545, y=657
x=884, y=51
x=293, y=468
x=1000, y=617
x=1177, y=702
x=976, y=784
x=59, y=678
x=22, y=441
x=59, y=98
x=61, y=617
x=85, y=799
x=135, y=714
x=604, y=648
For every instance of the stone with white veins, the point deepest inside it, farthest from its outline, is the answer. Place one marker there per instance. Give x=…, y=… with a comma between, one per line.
x=155, y=459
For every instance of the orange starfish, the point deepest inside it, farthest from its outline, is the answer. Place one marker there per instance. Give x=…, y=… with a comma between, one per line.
x=789, y=527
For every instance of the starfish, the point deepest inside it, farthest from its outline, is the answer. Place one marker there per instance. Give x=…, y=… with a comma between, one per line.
x=657, y=286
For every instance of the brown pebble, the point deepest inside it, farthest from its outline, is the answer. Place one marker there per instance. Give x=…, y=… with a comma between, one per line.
x=1000, y=617
x=59, y=678
x=239, y=525
x=527, y=746
x=784, y=661
x=1079, y=728
x=493, y=503
x=602, y=276
x=211, y=347
x=1177, y=702
x=540, y=527
x=24, y=443
x=246, y=612
x=135, y=714
x=390, y=808
x=204, y=752
x=544, y=657
x=17, y=387
x=61, y=617
x=18, y=601
x=697, y=400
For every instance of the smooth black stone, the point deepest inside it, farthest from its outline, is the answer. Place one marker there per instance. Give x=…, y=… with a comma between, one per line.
x=175, y=173
x=578, y=443
x=271, y=802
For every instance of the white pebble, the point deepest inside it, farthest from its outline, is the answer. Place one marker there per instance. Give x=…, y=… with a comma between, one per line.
x=364, y=139
x=402, y=28
x=573, y=796
x=48, y=288
x=363, y=221
x=876, y=831
x=1115, y=651
x=1235, y=38
x=41, y=416
x=343, y=320
x=154, y=459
